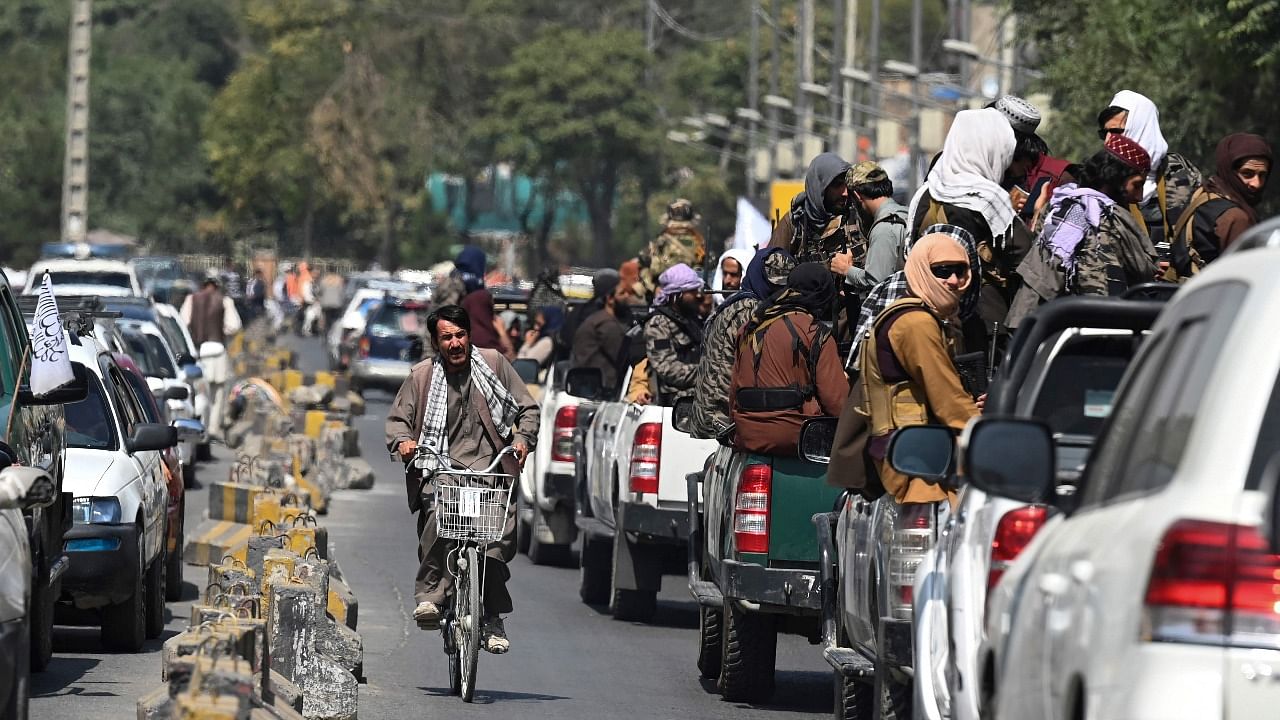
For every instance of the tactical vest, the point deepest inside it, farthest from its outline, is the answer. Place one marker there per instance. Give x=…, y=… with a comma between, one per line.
x=808, y=246
x=890, y=405
x=1189, y=247
x=689, y=353
x=788, y=397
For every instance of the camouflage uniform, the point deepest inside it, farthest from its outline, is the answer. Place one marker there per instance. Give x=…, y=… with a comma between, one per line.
x=1181, y=179
x=673, y=348
x=679, y=242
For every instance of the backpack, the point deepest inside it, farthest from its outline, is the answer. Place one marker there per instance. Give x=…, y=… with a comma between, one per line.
x=1187, y=260
x=790, y=397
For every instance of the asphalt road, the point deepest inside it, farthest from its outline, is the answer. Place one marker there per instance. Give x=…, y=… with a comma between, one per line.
x=568, y=660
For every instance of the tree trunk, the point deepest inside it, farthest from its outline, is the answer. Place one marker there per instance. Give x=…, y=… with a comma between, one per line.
x=308, y=224
x=387, y=248
x=598, y=195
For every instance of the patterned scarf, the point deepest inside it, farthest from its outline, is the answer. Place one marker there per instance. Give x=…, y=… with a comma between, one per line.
x=502, y=407
x=1074, y=211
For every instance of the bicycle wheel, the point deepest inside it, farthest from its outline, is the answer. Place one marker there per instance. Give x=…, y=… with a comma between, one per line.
x=449, y=631
x=467, y=610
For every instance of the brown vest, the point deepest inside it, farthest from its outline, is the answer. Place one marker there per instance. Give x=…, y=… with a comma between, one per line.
x=207, y=317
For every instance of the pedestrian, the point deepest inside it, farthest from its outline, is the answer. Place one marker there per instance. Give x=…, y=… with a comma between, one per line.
x=1090, y=244
x=466, y=404
x=787, y=367
x=1225, y=206
x=540, y=340
x=256, y=295
x=729, y=271
x=679, y=241
x=885, y=223
x=673, y=334
x=908, y=373
x=331, y=298
x=766, y=274
x=212, y=320
x=487, y=330
x=1172, y=179
x=818, y=226
x=598, y=341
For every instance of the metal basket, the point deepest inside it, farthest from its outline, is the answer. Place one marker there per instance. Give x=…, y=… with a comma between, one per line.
x=468, y=509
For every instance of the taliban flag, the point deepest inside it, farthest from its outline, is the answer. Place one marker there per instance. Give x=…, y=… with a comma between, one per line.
x=50, y=362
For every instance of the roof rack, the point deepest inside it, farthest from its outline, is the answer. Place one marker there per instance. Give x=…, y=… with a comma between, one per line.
x=77, y=312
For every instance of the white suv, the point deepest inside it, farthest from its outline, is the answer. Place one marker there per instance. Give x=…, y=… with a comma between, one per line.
x=1154, y=593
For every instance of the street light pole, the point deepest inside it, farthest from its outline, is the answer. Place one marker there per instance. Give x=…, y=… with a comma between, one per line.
x=753, y=99
x=75, y=166
x=917, y=29
x=775, y=71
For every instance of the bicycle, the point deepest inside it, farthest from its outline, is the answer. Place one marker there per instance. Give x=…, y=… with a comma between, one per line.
x=472, y=515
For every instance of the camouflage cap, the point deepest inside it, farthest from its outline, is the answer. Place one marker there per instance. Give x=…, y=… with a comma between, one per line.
x=681, y=209
x=777, y=266
x=866, y=173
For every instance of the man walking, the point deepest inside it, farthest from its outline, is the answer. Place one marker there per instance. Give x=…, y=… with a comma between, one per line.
x=212, y=319
x=466, y=404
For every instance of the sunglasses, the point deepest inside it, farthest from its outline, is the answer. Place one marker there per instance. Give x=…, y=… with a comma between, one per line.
x=944, y=271
x=1104, y=132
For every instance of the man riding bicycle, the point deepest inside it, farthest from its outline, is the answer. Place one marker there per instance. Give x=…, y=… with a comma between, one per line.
x=468, y=413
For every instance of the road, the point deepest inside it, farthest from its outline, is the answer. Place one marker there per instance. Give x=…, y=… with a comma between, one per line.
x=568, y=660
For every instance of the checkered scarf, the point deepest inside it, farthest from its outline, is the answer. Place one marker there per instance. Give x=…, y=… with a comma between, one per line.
x=502, y=407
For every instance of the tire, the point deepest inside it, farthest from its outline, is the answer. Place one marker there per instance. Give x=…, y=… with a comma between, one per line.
x=541, y=553
x=749, y=652
x=18, y=703
x=523, y=529
x=710, y=640
x=854, y=699
x=467, y=603
x=40, y=623
x=593, y=571
x=189, y=476
x=173, y=571
x=124, y=624
x=630, y=605
x=896, y=698
x=153, y=589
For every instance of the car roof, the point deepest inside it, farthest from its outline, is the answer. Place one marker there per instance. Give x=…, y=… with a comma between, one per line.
x=90, y=265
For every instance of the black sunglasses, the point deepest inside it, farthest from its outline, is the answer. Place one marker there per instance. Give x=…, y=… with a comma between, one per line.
x=1104, y=132
x=943, y=271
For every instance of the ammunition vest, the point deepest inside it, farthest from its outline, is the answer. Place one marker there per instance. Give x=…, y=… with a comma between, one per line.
x=890, y=405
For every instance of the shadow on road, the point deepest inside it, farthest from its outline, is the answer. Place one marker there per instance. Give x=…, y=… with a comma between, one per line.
x=488, y=697
x=61, y=676
x=798, y=691
x=676, y=614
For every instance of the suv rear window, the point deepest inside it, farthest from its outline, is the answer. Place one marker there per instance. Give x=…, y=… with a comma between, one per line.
x=79, y=277
x=89, y=421
x=1076, y=394
x=398, y=321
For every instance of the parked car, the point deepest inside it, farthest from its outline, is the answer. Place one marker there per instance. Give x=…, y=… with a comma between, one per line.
x=163, y=278
x=84, y=277
x=1153, y=593
x=169, y=321
x=546, y=493
x=393, y=340
x=148, y=348
x=1062, y=367
x=21, y=488
x=117, y=545
x=343, y=336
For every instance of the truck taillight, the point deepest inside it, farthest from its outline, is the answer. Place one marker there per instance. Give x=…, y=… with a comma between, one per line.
x=646, y=452
x=1013, y=533
x=1213, y=583
x=912, y=537
x=364, y=347
x=562, y=441
x=751, y=509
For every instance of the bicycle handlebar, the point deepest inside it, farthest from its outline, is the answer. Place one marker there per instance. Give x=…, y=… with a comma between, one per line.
x=422, y=452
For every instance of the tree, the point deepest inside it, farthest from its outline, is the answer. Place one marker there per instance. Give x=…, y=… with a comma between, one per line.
x=572, y=105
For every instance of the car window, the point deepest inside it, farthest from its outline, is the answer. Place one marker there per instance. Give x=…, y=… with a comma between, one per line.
x=173, y=333
x=89, y=421
x=366, y=305
x=1151, y=424
x=130, y=412
x=1076, y=394
x=138, y=388
x=164, y=358
x=398, y=321
x=81, y=277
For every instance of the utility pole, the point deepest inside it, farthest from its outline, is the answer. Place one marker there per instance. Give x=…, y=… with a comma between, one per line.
x=850, y=57
x=775, y=71
x=873, y=57
x=804, y=76
x=650, y=27
x=837, y=87
x=753, y=99
x=75, y=167
x=917, y=29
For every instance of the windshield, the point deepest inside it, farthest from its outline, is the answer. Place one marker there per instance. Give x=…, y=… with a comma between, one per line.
x=366, y=305
x=398, y=321
x=89, y=421
x=80, y=277
x=149, y=356
x=1076, y=395
x=157, y=269
x=164, y=358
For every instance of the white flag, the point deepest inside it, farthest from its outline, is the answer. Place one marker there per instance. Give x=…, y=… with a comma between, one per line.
x=50, y=362
x=752, y=229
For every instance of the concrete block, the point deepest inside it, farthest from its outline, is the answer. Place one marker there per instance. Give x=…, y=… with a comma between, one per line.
x=212, y=540
x=258, y=547
x=342, y=604
x=330, y=692
x=233, y=501
x=357, y=473
x=156, y=705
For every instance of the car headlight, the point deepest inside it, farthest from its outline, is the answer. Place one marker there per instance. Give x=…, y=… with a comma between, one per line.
x=89, y=511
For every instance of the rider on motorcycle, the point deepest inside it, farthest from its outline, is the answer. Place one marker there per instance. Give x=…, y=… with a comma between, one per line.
x=468, y=413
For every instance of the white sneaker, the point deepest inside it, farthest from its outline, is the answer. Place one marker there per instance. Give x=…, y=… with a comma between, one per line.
x=427, y=615
x=493, y=636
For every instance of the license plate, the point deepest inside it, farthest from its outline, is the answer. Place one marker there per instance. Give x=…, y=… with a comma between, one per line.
x=469, y=502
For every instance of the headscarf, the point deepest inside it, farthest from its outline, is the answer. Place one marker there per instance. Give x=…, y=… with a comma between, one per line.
x=1231, y=150
x=936, y=248
x=470, y=265
x=552, y=320
x=895, y=287
x=975, y=156
x=824, y=169
x=756, y=284
x=675, y=280
x=1067, y=222
x=1143, y=126
x=742, y=255
x=811, y=288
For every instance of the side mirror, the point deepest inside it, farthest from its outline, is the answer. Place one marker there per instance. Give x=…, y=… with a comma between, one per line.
x=184, y=359
x=682, y=415
x=817, y=435
x=1012, y=458
x=585, y=383
x=176, y=392
x=192, y=372
x=188, y=428
x=527, y=369
x=152, y=436
x=26, y=488
x=924, y=451
x=74, y=391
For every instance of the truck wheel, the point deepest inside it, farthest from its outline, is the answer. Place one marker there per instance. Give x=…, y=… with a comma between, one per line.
x=173, y=572
x=896, y=698
x=853, y=698
x=204, y=452
x=541, y=553
x=124, y=624
x=593, y=571
x=40, y=621
x=749, y=652
x=154, y=591
x=634, y=605
x=710, y=638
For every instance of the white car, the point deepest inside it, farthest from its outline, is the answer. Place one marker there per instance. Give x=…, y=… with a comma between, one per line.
x=148, y=348
x=84, y=277
x=341, y=335
x=1153, y=594
x=117, y=544
x=20, y=488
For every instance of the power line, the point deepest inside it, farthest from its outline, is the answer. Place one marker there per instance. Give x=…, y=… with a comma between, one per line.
x=688, y=33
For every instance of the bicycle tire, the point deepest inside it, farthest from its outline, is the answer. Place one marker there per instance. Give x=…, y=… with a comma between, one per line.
x=449, y=627
x=467, y=599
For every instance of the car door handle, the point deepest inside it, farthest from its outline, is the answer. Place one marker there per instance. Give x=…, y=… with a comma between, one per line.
x=1053, y=584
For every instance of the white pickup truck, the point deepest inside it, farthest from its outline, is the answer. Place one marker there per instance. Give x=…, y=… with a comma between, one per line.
x=546, y=500
x=634, y=522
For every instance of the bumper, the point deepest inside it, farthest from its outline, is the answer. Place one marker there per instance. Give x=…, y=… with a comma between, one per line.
x=380, y=373
x=1172, y=681
x=783, y=589
x=557, y=487
x=104, y=564
x=658, y=524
